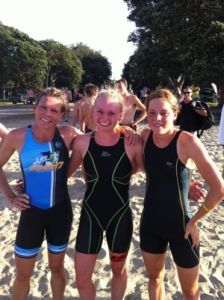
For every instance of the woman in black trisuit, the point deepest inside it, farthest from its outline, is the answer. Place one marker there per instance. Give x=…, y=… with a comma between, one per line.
x=169, y=157
x=108, y=163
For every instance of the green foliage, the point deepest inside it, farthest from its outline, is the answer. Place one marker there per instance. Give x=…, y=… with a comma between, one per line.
x=178, y=37
x=26, y=63
x=97, y=67
x=64, y=67
x=22, y=60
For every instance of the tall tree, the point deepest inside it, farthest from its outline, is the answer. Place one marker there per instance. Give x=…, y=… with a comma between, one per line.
x=180, y=37
x=22, y=60
x=64, y=67
x=97, y=68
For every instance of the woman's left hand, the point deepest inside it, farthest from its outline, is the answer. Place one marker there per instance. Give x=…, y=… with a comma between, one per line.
x=196, y=191
x=192, y=230
x=132, y=137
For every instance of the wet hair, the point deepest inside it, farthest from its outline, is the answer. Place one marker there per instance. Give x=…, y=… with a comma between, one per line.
x=91, y=89
x=111, y=94
x=124, y=81
x=165, y=94
x=56, y=93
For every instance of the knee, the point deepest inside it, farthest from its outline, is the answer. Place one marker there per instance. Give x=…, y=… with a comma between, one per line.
x=56, y=268
x=192, y=294
x=82, y=281
x=156, y=279
x=22, y=276
x=118, y=264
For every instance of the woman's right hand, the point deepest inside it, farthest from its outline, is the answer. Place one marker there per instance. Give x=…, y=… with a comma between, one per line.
x=192, y=230
x=20, y=201
x=19, y=188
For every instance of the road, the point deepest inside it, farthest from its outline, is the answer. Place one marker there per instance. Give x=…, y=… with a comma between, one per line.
x=15, y=110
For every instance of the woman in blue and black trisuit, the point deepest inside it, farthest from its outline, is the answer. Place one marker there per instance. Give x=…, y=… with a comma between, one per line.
x=108, y=162
x=169, y=157
x=45, y=206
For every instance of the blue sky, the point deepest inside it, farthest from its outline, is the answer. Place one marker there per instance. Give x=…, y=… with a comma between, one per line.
x=100, y=24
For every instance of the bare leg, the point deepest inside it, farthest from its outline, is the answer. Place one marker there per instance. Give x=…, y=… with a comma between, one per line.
x=119, y=279
x=58, y=278
x=189, y=282
x=155, y=267
x=24, y=271
x=84, y=267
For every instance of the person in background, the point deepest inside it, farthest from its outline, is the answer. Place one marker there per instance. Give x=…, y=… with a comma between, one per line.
x=86, y=119
x=68, y=94
x=43, y=149
x=169, y=157
x=131, y=104
x=187, y=119
x=78, y=101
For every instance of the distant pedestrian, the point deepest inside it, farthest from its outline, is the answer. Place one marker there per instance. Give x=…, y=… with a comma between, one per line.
x=131, y=104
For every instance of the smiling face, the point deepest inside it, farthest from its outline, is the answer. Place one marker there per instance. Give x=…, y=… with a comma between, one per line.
x=160, y=115
x=48, y=112
x=107, y=112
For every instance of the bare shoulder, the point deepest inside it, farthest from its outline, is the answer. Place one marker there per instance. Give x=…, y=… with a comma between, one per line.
x=83, y=138
x=187, y=139
x=81, y=143
x=15, y=138
x=69, y=130
x=69, y=133
x=133, y=98
x=190, y=147
x=17, y=133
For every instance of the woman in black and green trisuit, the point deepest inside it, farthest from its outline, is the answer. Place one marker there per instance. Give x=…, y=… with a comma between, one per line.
x=169, y=156
x=108, y=163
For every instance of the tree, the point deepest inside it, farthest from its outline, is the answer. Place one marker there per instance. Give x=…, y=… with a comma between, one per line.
x=64, y=67
x=97, y=68
x=22, y=61
x=180, y=38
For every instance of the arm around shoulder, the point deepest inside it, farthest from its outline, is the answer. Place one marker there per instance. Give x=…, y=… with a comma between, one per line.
x=79, y=150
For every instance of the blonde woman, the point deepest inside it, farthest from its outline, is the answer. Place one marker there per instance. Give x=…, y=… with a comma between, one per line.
x=108, y=163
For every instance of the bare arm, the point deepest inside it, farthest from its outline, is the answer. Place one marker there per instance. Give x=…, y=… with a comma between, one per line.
x=194, y=149
x=3, y=131
x=135, y=155
x=79, y=149
x=82, y=117
x=76, y=114
x=7, y=149
x=140, y=106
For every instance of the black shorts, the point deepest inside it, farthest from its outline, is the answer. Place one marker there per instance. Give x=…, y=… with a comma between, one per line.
x=156, y=243
x=118, y=232
x=35, y=223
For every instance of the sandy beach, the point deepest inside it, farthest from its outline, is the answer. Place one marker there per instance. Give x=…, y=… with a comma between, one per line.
x=211, y=232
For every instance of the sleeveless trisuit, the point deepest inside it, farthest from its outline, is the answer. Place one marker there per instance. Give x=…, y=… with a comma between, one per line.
x=106, y=202
x=166, y=205
x=44, y=167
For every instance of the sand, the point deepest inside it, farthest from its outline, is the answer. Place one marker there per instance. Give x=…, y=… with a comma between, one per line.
x=211, y=232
